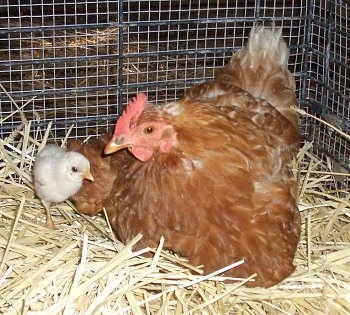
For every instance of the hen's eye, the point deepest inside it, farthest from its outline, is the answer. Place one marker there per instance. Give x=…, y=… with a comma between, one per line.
x=74, y=169
x=148, y=130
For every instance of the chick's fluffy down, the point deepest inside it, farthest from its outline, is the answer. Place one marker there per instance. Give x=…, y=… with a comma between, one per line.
x=59, y=174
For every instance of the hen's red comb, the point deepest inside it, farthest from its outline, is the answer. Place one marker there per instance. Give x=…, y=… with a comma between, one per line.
x=132, y=112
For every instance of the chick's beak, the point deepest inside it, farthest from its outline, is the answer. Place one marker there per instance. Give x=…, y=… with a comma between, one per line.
x=87, y=175
x=114, y=145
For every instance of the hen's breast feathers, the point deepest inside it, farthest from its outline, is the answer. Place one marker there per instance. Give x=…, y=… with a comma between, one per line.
x=90, y=198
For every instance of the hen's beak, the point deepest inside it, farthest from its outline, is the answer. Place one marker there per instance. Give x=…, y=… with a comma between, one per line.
x=115, y=145
x=87, y=175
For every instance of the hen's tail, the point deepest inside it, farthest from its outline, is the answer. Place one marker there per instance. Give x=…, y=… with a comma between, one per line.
x=266, y=42
x=260, y=68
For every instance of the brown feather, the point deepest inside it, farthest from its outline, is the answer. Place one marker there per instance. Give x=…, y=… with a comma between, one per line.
x=104, y=169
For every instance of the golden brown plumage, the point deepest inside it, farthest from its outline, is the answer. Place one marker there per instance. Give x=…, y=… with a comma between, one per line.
x=91, y=196
x=211, y=172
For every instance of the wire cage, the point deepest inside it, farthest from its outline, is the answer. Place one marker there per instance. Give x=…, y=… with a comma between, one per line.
x=77, y=62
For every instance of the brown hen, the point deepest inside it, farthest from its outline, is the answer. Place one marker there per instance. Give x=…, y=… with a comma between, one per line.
x=211, y=171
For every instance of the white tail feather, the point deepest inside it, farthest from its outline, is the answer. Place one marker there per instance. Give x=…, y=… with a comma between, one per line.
x=268, y=41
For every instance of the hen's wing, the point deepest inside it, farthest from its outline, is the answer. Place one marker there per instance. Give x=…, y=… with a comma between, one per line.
x=89, y=199
x=260, y=70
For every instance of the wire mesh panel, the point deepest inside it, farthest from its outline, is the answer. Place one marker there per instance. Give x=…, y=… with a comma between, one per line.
x=81, y=60
x=327, y=81
x=170, y=45
x=63, y=53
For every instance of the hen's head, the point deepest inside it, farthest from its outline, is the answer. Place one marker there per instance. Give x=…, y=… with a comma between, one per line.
x=142, y=130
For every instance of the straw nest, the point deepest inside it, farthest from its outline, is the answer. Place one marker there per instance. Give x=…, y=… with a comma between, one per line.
x=81, y=268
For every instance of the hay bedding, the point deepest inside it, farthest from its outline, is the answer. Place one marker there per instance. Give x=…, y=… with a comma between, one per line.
x=81, y=268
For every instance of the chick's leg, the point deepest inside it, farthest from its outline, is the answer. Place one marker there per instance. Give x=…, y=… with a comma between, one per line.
x=49, y=222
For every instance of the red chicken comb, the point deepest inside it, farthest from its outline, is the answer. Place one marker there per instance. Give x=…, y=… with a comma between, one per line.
x=131, y=113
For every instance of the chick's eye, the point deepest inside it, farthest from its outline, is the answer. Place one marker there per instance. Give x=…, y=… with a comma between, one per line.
x=148, y=130
x=74, y=169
